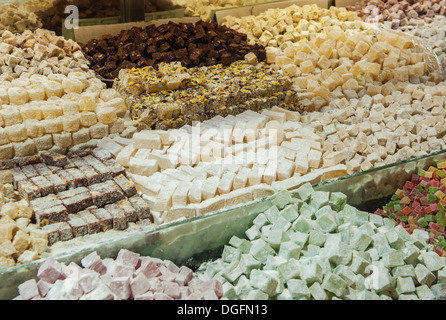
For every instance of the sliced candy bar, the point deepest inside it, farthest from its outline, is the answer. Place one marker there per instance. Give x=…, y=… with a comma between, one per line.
x=118, y=216
x=43, y=169
x=50, y=215
x=93, y=224
x=127, y=186
x=79, y=153
x=105, y=219
x=7, y=164
x=45, y=186
x=78, y=202
x=29, y=171
x=53, y=233
x=65, y=232
x=78, y=179
x=70, y=164
x=45, y=202
x=28, y=190
x=129, y=210
x=92, y=176
x=17, y=176
x=101, y=154
x=28, y=160
x=115, y=167
x=142, y=208
x=105, y=193
x=78, y=226
x=58, y=183
x=54, y=159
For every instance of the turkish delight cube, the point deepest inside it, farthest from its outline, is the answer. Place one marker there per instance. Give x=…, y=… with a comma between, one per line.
x=28, y=190
x=45, y=186
x=78, y=202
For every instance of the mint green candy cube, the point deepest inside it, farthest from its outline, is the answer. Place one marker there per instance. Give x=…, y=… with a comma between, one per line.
x=319, y=199
x=298, y=288
x=281, y=199
x=290, y=213
x=337, y=200
x=304, y=191
x=289, y=250
x=289, y=270
x=335, y=284
x=302, y=224
x=317, y=237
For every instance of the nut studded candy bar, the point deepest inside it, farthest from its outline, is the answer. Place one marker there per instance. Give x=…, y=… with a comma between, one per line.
x=29, y=171
x=52, y=233
x=58, y=183
x=78, y=226
x=129, y=211
x=44, y=185
x=105, y=219
x=28, y=190
x=115, y=167
x=17, y=176
x=118, y=216
x=74, y=177
x=105, y=193
x=50, y=215
x=54, y=159
x=93, y=223
x=105, y=172
x=76, y=200
x=101, y=154
x=142, y=208
x=42, y=169
x=127, y=186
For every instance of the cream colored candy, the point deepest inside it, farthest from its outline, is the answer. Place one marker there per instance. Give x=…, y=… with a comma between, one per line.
x=18, y=95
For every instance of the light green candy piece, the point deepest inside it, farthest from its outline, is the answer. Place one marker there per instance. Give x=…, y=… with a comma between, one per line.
x=317, y=238
x=319, y=199
x=346, y=274
x=424, y=275
x=424, y=293
x=243, y=245
x=439, y=290
x=394, y=239
x=393, y=259
x=317, y=292
x=273, y=262
x=432, y=261
x=404, y=271
x=337, y=200
x=248, y=262
x=420, y=238
x=360, y=240
x=311, y=273
x=265, y=280
x=340, y=253
x=380, y=243
x=290, y=213
x=253, y=232
x=307, y=211
x=229, y=292
x=324, y=210
x=358, y=264
x=299, y=238
x=272, y=214
x=335, y=284
x=289, y=250
x=311, y=251
x=441, y=275
x=402, y=233
x=261, y=250
x=302, y=224
x=257, y=295
x=275, y=237
x=233, y=272
x=359, y=218
x=404, y=285
x=260, y=220
x=327, y=223
x=408, y=297
x=281, y=223
x=298, y=288
x=281, y=199
x=242, y=286
x=410, y=252
x=289, y=270
x=230, y=254
x=304, y=191
x=377, y=220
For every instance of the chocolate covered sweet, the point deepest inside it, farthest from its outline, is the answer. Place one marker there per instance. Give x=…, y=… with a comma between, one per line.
x=199, y=44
